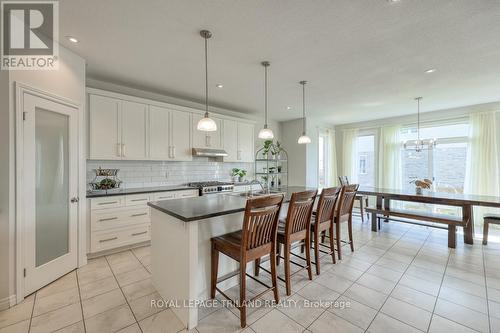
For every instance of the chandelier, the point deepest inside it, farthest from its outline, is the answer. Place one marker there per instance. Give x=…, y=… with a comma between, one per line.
x=419, y=144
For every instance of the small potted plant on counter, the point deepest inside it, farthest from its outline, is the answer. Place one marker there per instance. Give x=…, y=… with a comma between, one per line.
x=238, y=175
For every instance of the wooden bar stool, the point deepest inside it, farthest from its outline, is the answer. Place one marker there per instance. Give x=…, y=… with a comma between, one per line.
x=296, y=228
x=490, y=218
x=257, y=239
x=362, y=199
x=322, y=222
x=343, y=213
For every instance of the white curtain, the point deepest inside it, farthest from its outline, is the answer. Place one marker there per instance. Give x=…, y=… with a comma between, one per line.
x=389, y=160
x=482, y=174
x=332, y=177
x=350, y=154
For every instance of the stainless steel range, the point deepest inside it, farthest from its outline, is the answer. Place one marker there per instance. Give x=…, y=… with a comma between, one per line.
x=212, y=187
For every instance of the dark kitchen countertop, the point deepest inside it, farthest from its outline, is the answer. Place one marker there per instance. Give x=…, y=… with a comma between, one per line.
x=137, y=190
x=194, y=209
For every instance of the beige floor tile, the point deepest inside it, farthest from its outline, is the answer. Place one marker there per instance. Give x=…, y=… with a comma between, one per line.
x=131, y=329
x=98, y=287
x=376, y=283
x=102, y=302
x=55, y=301
x=407, y=313
x=17, y=313
x=20, y=327
x=346, y=272
x=138, y=289
x=366, y=296
x=459, y=297
x=465, y=286
x=75, y=328
x=64, y=283
x=95, y=274
x=494, y=309
x=415, y=297
x=443, y=325
x=57, y=319
x=110, y=321
x=141, y=252
x=120, y=257
x=317, y=292
x=146, y=260
x=137, y=274
x=328, y=322
x=162, y=322
x=221, y=321
x=142, y=307
x=385, y=273
x=354, y=312
x=424, y=274
x=334, y=282
x=126, y=266
x=462, y=315
x=93, y=264
x=275, y=321
x=494, y=294
x=424, y=286
x=299, y=309
x=385, y=324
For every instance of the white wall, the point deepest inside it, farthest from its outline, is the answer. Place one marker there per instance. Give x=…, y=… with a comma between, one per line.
x=68, y=82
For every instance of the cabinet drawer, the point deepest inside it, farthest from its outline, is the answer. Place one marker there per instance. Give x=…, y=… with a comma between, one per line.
x=107, y=202
x=119, y=218
x=186, y=194
x=111, y=239
x=164, y=196
x=137, y=199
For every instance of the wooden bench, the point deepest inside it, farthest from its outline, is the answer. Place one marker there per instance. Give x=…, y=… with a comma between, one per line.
x=452, y=221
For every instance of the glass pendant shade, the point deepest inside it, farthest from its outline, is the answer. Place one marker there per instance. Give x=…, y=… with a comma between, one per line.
x=304, y=139
x=266, y=133
x=206, y=124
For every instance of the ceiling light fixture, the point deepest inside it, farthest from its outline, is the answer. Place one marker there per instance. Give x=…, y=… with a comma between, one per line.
x=206, y=124
x=432, y=70
x=265, y=133
x=288, y=107
x=303, y=139
x=72, y=39
x=419, y=144
x=219, y=85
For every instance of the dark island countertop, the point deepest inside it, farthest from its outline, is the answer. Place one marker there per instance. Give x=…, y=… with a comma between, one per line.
x=137, y=190
x=199, y=208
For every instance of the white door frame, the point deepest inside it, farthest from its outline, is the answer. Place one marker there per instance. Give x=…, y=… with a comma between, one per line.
x=21, y=89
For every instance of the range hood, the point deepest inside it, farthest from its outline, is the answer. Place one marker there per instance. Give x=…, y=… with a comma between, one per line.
x=209, y=152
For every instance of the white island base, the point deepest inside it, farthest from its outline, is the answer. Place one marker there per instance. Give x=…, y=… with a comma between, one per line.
x=180, y=260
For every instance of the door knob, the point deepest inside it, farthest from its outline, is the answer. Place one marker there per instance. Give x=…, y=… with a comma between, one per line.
x=74, y=200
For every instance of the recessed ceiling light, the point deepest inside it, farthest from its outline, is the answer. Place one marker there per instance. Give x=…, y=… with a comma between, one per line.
x=219, y=85
x=393, y=0
x=431, y=70
x=72, y=39
x=288, y=107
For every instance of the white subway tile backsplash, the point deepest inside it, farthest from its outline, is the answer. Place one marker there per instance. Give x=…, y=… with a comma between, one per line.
x=158, y=173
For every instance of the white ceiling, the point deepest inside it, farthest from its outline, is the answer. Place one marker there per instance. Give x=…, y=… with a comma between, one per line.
x=364, y=59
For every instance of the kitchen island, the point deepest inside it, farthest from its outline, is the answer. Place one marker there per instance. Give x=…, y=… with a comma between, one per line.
x=180, y=247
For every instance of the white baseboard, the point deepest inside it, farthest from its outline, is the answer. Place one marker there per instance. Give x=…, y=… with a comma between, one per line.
x=7, y=302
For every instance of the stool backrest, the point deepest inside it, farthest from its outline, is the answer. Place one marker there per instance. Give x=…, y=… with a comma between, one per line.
x=343, y=180
x=300, y=211
x=346, y=201
x=326, y=205
x=260, y=223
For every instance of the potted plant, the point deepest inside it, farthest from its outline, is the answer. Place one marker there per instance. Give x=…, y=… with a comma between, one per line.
x=238, y=174
x=267, y=146
x=421, y=184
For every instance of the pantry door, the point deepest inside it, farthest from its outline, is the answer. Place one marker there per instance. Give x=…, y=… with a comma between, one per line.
x=49, y=200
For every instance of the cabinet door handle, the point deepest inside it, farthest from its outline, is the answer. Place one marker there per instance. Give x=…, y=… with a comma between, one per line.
x=136, y=215
x=139, y=233
x=108, y=239
x=143, y=199
x=238, y=155
x=107, y=203
x=118, y=150
x=169, y=197
x=169, y=151
x=123, y=150
x=173, y=151
x=108, y=219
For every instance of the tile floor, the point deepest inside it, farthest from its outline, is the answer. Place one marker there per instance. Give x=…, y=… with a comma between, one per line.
x=403, y=279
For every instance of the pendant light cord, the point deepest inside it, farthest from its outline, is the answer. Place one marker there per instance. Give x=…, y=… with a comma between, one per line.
x=206, y=77
x=303, y=83
x=418, y=118
x=265, y=93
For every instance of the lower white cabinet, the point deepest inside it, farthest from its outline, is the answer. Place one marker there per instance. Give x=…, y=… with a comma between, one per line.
x=122, y=220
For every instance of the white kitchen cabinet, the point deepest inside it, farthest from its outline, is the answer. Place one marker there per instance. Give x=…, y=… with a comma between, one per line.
x=246, y=142
x=159, y=133
x=230, y=129
x=203, y=139
x=104, y=128
x=180, y=136
x=134, y=116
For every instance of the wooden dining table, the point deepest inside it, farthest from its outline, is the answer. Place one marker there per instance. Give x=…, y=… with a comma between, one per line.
x=464, y=201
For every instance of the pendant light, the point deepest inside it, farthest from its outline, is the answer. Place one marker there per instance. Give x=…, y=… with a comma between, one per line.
x=265, y=133
x=419, y=144
x=206, y=124
x=304, y=139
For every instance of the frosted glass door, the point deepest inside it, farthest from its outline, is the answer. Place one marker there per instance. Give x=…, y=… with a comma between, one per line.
x=50, y=181
x=52, y=185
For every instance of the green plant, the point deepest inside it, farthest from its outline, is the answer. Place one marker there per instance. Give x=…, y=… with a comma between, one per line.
x=235, y=172
x=267, y=145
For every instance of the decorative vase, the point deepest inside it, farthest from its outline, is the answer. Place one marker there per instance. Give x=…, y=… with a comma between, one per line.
x=418, y=190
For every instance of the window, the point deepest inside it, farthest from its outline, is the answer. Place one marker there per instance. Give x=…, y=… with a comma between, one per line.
x=323, y=159
x=366, y=160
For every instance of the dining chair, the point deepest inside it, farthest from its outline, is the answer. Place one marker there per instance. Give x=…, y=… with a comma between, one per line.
x=362, y=199
x=343, y=213
x=255, y=240
x=489, y=218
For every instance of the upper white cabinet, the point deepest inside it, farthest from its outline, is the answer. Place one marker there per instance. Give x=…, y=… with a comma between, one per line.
x=129, y=128
x=117, y=129
x=104, y=129
x=134, y=116
x=203, y=139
